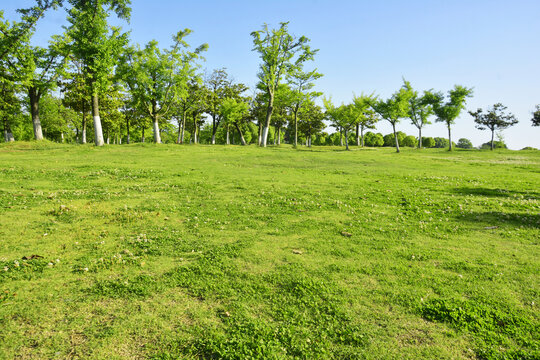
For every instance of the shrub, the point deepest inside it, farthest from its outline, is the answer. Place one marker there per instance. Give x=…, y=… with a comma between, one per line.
x=428, y=142
x=410, y=141
x=464, y=144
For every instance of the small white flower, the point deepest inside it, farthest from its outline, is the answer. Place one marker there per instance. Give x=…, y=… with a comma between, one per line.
x=85, y=269
x=57, y=261
x=16, y=263
x=50, y=264
x=6, y=269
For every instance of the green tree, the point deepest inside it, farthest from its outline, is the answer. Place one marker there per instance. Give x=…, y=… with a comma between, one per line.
x=235, y=113
x=157, y=78
x=281, y=54
x=374, y=140
x=367, y=118
x=420, y=109
x=301, y=83
x=410, y=141
x=344, y=117
x=311, y=120
x=494, y=119
x=536, y=116
x=12, y=36
x=449, y=110
x=393, y=109
x=464, y=144
x=97, y=47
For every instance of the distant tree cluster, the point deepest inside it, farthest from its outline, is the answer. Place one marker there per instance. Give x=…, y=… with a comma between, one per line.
x=91, y=84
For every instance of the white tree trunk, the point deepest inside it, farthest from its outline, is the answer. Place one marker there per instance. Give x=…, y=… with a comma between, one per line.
x=264, y=136
x=83, y=137
x=62, y=136
x=157, y=137
x=98, y=132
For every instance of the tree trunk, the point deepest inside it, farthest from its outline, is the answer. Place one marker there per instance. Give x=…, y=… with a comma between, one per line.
x=34, y=96
x=62, y=136
x=8, y=134
x=362, y=135
x=194, y=137
x=183, y=127
x=492, y=136
x=358, y=135
x=449, y=139
x=395, y=137
x=309, y=140
x=279, y=135
x=142, y=137
x=83, y=124
x=295, y=128
x=232, y=136
x=214, y=129
x=127, y=128
x=98, y=132
x=269, y=112
x=259, y=141
x=241, y=135
x=420, y=137
x=157, y=136
x=178, y=138
x=340, y=136
x=227, y=140
x=347, y=139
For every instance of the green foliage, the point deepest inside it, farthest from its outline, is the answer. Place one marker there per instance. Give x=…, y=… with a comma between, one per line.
x=464, y=144
x=536, y=116
x=410, y=141
x=389, y=139
x=428, y=142
x=440, y=142
x=374, y=140
x=493, y=145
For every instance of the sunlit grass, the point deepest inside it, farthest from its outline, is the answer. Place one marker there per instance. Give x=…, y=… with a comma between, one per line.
x=168, y=252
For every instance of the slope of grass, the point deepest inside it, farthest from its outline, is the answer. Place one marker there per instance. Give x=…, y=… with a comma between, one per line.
x=169, y=252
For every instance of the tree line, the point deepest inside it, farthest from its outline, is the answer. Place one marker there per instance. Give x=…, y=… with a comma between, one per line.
x=92, y=84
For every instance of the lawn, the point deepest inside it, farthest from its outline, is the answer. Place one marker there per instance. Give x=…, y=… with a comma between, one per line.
x=226, y=252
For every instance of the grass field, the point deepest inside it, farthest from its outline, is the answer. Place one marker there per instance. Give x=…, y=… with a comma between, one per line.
x=168, y=252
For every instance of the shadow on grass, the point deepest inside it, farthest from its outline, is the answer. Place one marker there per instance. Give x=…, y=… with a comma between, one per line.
x=529, y=195
x=495, y=219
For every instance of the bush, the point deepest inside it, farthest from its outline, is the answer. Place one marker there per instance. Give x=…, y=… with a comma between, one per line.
x=496, y=145
x=372, y=140
x=464, y=144
x=389, y=139
x=410, y=141
x=428, y=142
x=441, y=142
x=529, y=148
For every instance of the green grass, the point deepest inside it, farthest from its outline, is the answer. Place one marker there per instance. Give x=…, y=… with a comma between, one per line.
x=187, y=252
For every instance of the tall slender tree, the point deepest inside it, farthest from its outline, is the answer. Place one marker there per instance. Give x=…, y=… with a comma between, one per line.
x=367, y=118
x=97, y=46
x=281, y=53
x=448, y=110
x=393, y=110
x=420, y=109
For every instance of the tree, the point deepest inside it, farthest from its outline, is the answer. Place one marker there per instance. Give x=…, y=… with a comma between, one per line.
x=76, y=96
x=157, y=78
x=234, y=113
x=12, y=36
x=494, y=119
x=393, y=109
x=9, y=105
x=366, y=116
x=301, y=82
x=420, y=109
x=281, y=54
x=410, y=141
x=344, y=117
x=97, y=47
x=311, y=120
x=449, y=110
x=536, y=116
x=464, y=144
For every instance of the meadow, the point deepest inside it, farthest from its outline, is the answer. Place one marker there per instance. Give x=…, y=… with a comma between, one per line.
x=227, y=252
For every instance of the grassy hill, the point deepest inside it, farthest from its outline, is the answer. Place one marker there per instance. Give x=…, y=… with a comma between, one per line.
x=165, y=252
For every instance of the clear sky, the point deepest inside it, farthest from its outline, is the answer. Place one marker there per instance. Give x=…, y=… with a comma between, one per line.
x=368, y=46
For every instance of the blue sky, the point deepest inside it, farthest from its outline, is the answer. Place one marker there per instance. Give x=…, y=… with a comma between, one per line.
x=368, y=46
